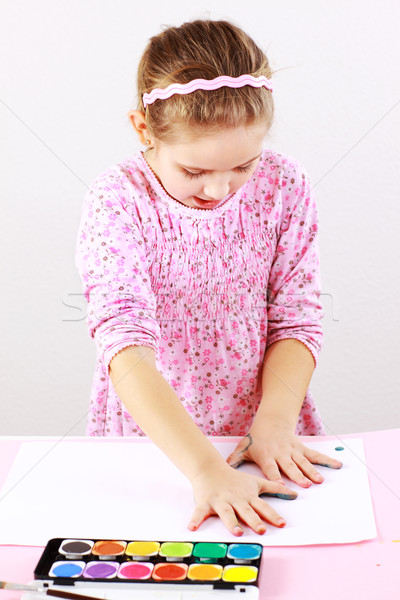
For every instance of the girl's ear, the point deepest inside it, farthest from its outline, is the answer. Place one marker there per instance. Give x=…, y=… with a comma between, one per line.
x=139, y=123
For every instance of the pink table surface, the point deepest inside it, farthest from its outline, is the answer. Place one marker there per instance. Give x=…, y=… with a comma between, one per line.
x=367, y=570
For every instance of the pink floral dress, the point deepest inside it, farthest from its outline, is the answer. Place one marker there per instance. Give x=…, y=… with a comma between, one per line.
x=208, y=289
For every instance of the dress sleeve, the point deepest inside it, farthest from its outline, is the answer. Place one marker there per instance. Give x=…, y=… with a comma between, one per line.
x=294, y=287
x=112, y=263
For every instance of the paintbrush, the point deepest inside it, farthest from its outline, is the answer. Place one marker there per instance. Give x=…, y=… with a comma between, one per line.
x=4, y=585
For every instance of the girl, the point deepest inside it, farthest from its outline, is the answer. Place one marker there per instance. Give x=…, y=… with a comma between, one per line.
x=200, y=265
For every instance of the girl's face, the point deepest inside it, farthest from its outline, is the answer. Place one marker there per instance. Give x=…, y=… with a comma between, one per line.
x=204, y=171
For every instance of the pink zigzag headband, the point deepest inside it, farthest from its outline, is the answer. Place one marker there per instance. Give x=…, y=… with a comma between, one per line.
x=206, y=84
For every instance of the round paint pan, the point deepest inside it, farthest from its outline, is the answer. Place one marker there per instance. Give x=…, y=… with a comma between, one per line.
x=135, y=570
x=240, y=574
x=170, y=571
x=204, y=572
x=175, y=551
x=244, y=554
x=209, y=552
x=67, y=568
x=106, y=549
x=142, y=550
x=101, y=569
x=76, y=548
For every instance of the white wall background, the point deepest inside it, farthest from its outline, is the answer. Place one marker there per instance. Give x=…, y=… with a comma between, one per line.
x=67, y=81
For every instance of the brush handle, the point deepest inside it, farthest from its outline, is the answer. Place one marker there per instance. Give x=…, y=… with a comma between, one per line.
x=69, y=595
x=5, y=585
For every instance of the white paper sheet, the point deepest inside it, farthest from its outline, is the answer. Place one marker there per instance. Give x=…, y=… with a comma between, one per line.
x=132, y=491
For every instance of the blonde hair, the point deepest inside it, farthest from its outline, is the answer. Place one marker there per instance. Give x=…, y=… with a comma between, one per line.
x=203, y=49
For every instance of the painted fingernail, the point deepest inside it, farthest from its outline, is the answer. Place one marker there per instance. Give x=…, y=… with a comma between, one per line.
x=261, y=529
x=192, y=526
x=281, y=523
x=237, y=530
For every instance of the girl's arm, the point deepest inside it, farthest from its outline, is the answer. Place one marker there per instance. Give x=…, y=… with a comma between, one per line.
x=294, y=339
x=286, y=374
x=156, y=409
x=271, y=442
x=218, y=488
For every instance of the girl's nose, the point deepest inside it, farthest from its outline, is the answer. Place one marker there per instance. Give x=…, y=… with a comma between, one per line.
x=217, y=189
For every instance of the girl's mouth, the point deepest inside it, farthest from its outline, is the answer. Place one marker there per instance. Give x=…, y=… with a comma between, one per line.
x=206, y=203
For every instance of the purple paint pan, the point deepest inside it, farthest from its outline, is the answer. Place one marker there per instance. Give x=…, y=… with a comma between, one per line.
x=101, y=569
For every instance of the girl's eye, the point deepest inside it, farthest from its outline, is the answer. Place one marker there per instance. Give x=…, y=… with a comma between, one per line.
x=245, y=168
x=192, y=175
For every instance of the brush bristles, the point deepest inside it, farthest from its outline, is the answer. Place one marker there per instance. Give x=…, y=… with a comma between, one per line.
x=6, y=585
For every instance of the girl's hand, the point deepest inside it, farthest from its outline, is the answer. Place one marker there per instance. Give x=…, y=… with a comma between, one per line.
x=234, y=495
x=278, y=450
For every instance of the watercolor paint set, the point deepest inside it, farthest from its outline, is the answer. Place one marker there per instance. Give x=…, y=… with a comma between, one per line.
x=152, y=568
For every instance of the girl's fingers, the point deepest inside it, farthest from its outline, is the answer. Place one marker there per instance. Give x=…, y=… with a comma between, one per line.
x=277, y=490
x=266, y=512
x=239, y=455
x=300, y=469
x=229, y=518
x=257, y=512
x=235, y=459
x=292, y=471
x=307, y=468
x=322, y=459
x=199, y=515
x=271, y=471
x=253, y=512
x=225, y=513
x=250, y=517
